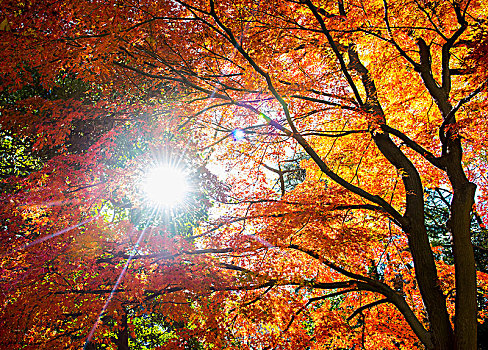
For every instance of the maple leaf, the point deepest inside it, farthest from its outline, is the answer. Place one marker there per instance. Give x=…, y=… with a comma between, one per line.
x=349, y=116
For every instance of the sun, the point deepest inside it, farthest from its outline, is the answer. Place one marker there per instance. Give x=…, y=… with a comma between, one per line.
x=165, y=186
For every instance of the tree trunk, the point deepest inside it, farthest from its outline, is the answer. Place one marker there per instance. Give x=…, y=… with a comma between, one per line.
x=465, y=268
x=123, y=334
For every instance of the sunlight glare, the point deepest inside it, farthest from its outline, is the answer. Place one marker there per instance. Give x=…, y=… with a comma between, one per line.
x=165, y=186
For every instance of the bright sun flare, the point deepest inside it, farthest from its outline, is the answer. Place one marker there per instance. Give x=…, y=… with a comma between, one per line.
x=165, y=186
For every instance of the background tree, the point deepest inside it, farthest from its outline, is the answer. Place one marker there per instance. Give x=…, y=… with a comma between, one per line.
x=385, y=99
x=35, y=207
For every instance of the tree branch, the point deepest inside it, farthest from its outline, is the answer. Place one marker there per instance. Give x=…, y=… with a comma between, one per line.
x=367, y=306
x=438, y=162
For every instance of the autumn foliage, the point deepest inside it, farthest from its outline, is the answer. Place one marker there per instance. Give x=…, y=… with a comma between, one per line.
x=312, y=134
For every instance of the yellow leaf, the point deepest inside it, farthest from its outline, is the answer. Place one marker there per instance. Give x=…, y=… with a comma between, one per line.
x=5, y=25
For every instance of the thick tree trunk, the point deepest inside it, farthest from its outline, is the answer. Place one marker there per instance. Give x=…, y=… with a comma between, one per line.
x=123, y=335
x=462, y=202
x=465, y=324
x=418, y=242
x=414, y=224
x=434, y=299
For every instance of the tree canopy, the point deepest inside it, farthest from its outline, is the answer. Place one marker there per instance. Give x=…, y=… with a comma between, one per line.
x=313, y=136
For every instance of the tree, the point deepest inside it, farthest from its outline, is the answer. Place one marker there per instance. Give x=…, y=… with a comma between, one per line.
x=387, y=101
x=24, y=224
x=437, y=213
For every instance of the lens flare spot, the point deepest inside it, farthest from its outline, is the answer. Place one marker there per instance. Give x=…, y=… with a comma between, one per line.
x=238, y=135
